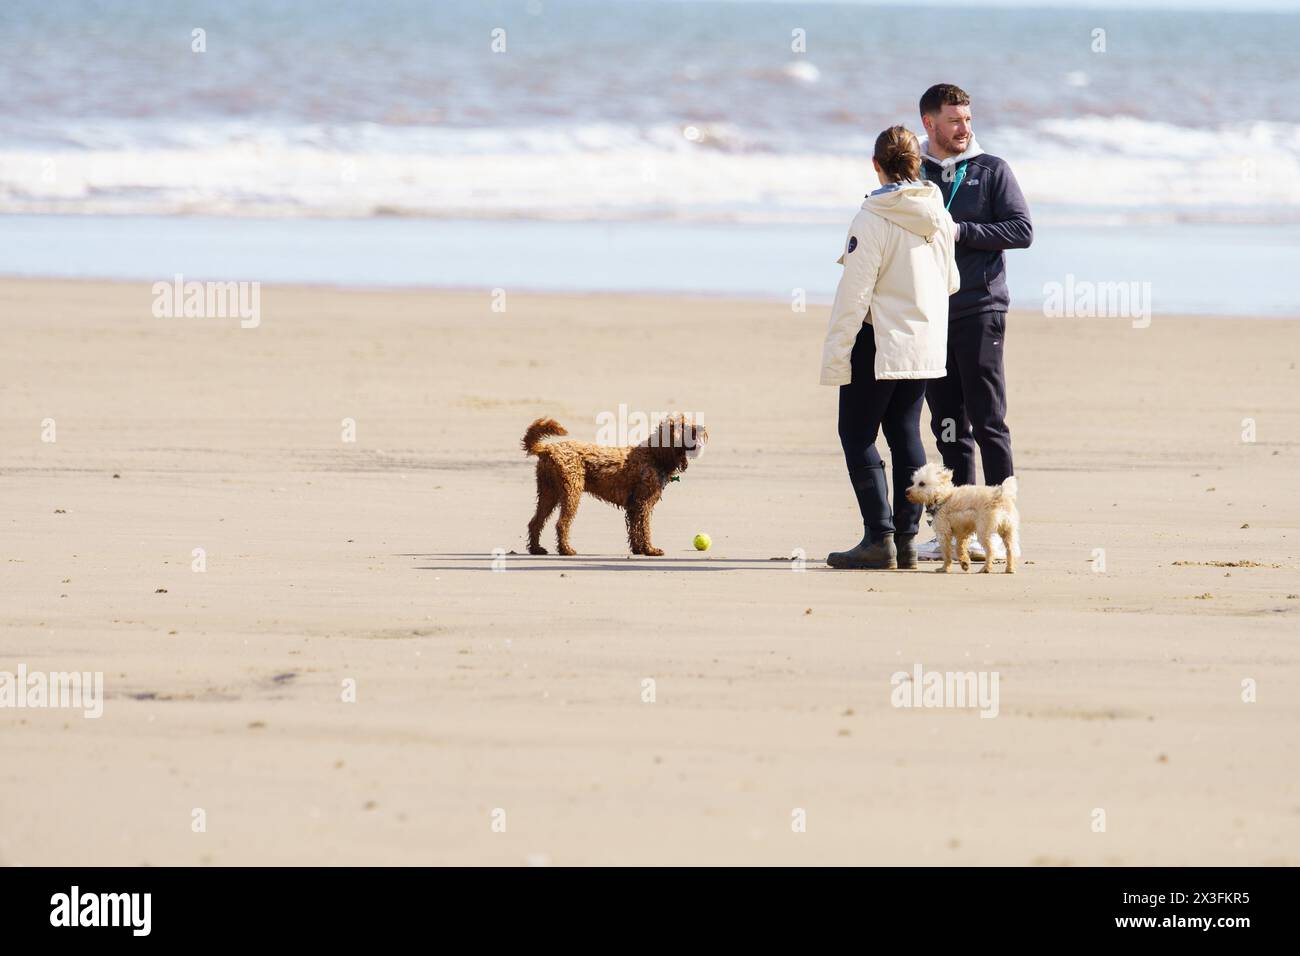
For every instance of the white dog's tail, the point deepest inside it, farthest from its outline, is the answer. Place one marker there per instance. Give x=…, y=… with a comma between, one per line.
x=1007, y=489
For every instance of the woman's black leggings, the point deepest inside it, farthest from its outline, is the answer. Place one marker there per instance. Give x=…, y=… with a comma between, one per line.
x=868, y=407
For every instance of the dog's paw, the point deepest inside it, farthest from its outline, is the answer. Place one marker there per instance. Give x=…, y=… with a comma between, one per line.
x=653, y=552
x=567, y=552
x=940, y=570
x=965, y=565
x=537, y=549
x=1011, y=570
x=985, y=570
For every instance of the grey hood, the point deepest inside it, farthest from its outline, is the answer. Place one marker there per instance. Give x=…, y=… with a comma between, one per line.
x=971, y=152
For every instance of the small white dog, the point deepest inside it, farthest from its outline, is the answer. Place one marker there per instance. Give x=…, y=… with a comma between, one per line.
x=960, y=510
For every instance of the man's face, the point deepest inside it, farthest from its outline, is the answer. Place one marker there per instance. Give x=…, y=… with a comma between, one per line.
x=949, y=129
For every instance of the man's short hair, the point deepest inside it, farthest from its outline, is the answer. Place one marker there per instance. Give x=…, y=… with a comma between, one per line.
x=940, y=95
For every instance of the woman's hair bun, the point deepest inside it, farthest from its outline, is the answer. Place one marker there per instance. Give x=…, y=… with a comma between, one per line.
x=898, y=153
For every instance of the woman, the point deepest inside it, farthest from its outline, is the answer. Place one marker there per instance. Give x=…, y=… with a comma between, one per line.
x=888, y=334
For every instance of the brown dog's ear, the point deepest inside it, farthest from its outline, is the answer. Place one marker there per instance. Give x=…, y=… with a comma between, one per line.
x=665, y=434
x=679, y=429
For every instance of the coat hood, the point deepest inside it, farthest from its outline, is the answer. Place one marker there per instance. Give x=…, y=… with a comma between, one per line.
x=971, y=152
x=914, y=206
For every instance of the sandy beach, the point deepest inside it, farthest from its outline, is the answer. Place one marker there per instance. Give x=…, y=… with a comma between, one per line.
x=487, y=699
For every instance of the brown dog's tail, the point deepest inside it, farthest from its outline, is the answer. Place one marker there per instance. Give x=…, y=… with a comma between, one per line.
x=1008, y=489
x=538, y=430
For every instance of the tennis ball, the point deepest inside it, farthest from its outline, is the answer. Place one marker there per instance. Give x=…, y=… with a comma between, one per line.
x=702, y=542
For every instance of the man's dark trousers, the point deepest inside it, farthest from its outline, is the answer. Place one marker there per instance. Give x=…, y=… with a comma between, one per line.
x=969, y=405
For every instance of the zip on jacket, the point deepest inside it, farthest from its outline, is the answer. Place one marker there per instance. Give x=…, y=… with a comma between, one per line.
x=984, y=199
x=899, y=271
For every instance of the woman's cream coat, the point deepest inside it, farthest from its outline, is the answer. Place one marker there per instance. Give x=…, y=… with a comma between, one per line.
x=898, y=273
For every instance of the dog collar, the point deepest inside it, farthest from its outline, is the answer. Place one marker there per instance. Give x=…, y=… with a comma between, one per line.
x=674, y=477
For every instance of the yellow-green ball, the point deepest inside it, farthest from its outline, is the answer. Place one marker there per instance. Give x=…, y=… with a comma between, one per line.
x=703, y=542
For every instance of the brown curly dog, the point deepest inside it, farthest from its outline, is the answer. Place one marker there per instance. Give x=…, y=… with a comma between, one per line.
x=629, y=478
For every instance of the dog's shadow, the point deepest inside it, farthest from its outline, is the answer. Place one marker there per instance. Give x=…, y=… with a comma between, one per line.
x=462, y=561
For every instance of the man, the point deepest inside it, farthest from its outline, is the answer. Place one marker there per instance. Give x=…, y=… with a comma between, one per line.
x=969, y=405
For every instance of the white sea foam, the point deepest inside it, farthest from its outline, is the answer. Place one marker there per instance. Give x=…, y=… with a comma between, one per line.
x=1082, y=169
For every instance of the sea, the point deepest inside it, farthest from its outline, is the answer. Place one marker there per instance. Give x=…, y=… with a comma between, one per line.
x=658, y=146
